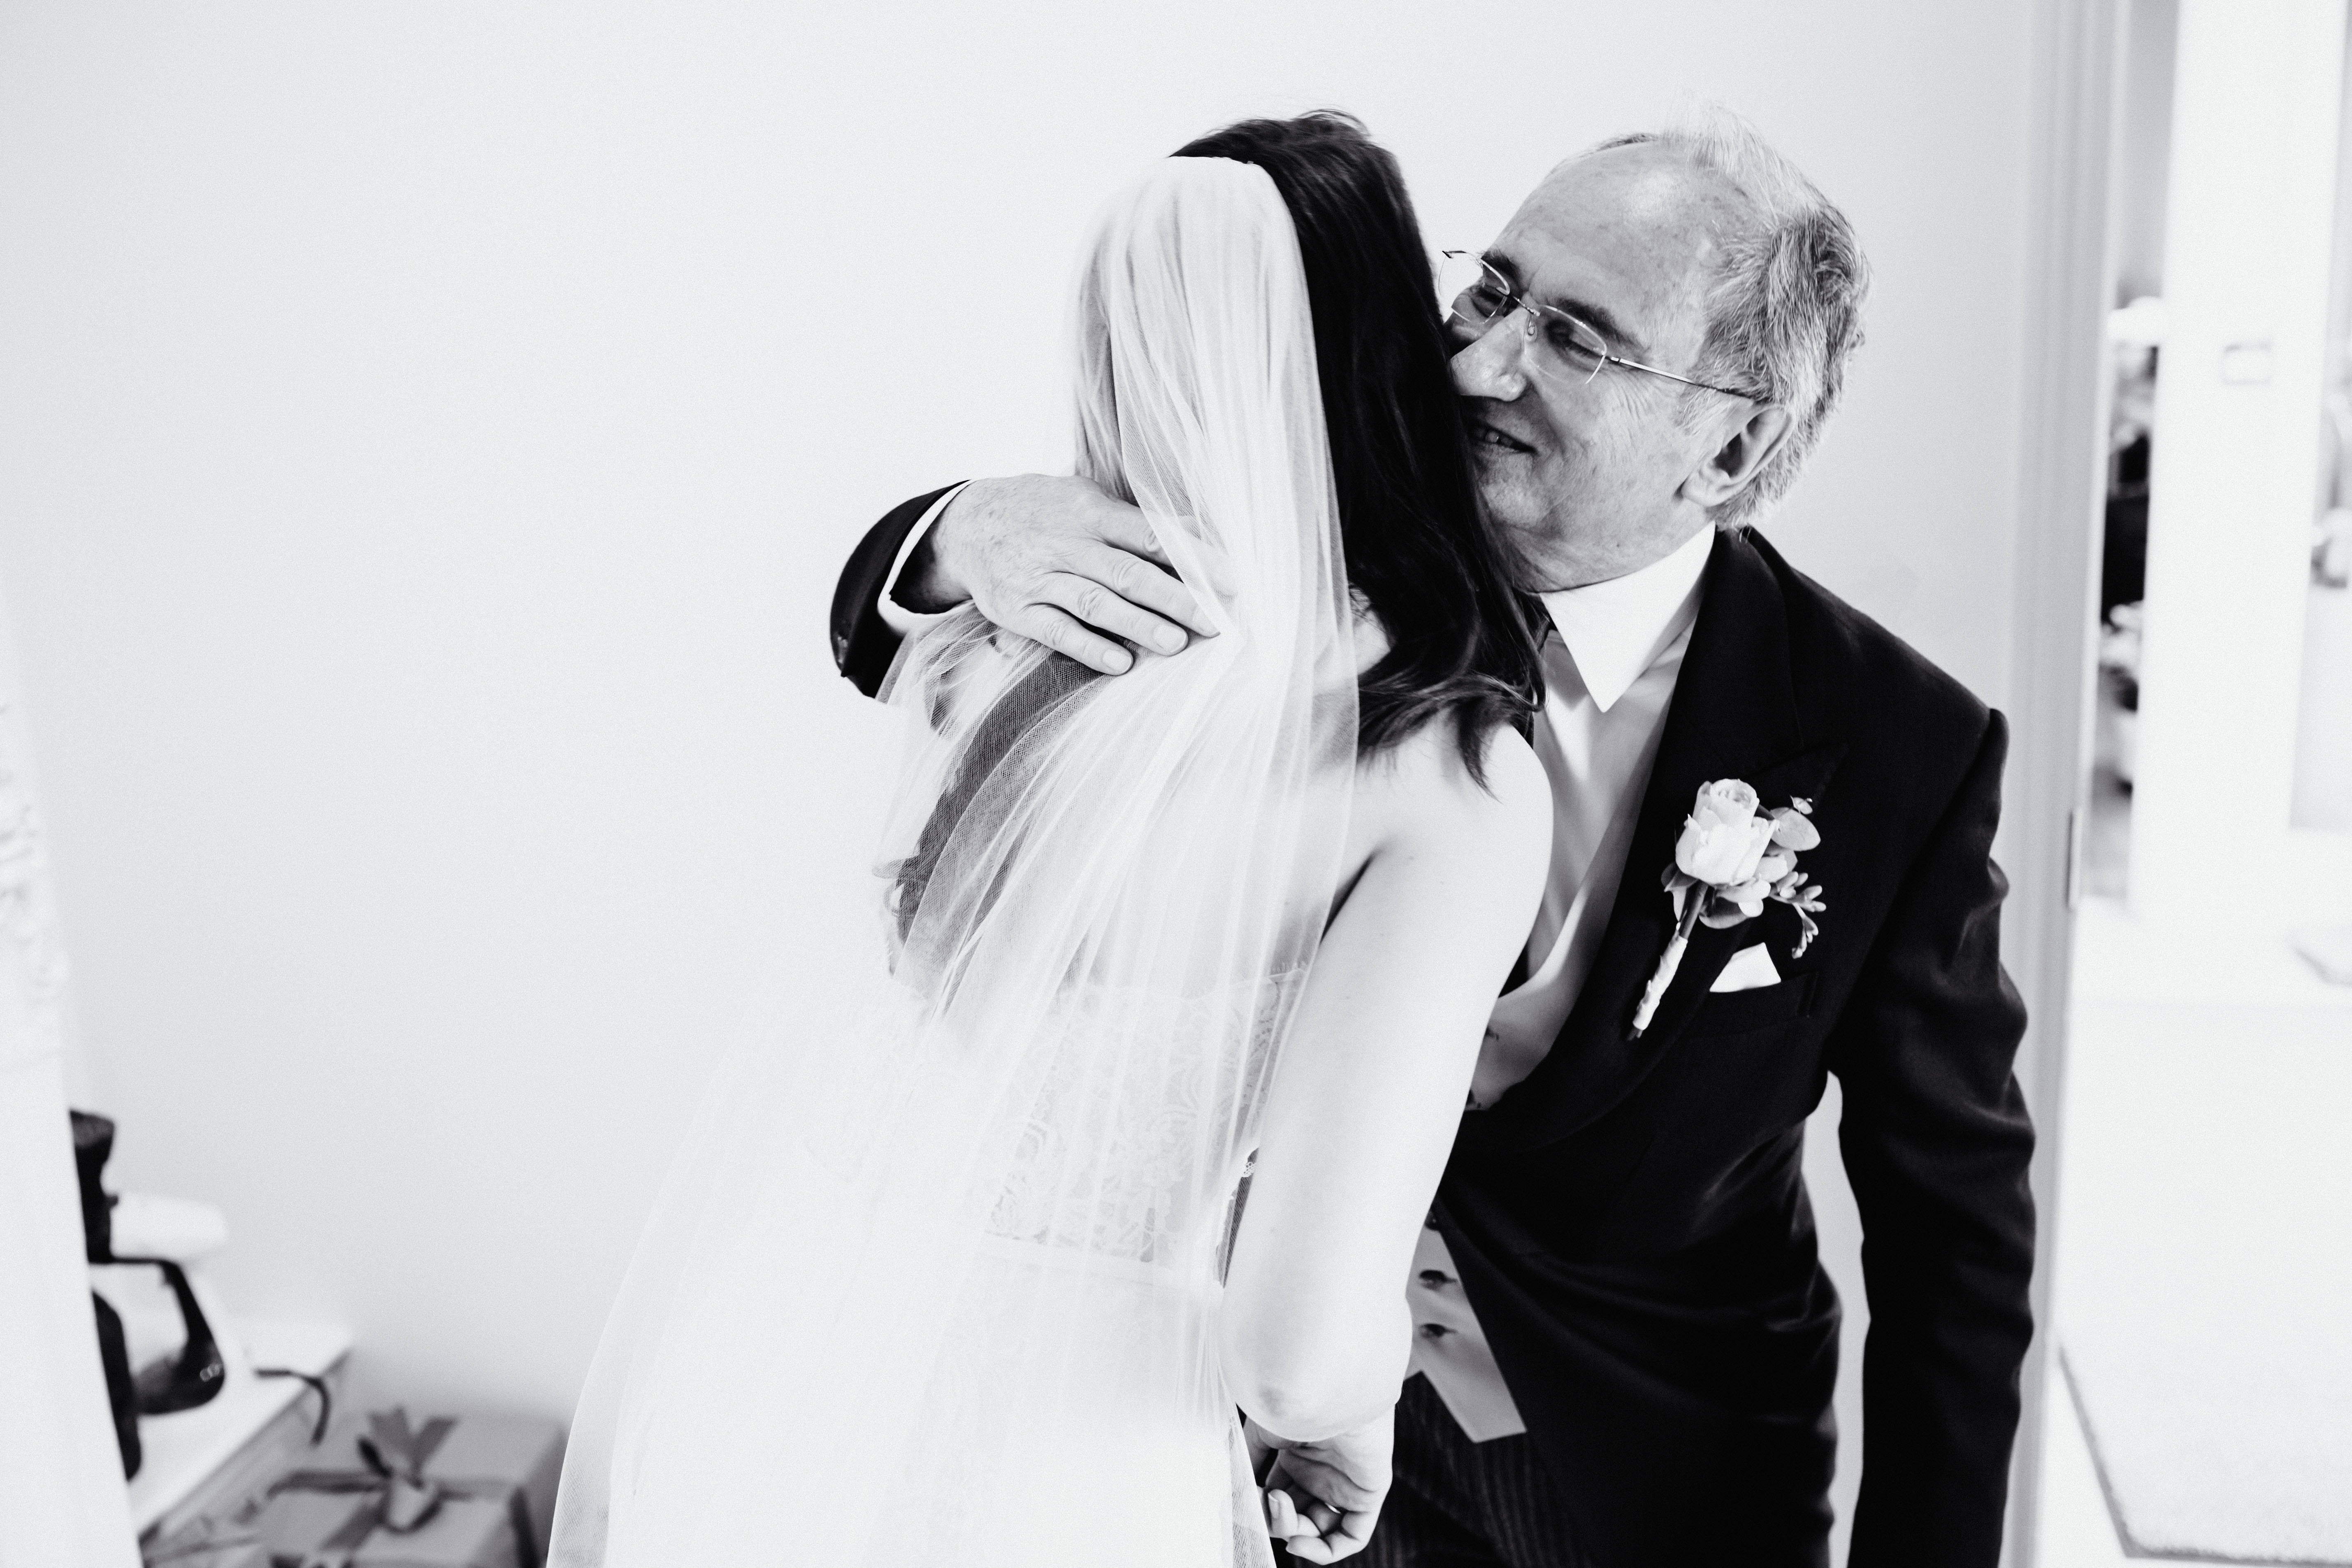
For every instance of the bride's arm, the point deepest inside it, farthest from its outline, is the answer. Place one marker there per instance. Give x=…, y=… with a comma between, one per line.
x=1364, y=1107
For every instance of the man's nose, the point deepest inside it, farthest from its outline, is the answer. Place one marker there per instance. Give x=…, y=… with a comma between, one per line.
x=1491, y=365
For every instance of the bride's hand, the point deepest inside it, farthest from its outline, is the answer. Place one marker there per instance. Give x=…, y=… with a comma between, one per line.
x=1322, y=1499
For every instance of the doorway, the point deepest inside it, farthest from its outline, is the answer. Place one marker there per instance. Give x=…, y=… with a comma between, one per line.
x=2200, y=1403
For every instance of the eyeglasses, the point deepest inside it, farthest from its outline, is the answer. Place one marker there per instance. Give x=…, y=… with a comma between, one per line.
x=1561, y=348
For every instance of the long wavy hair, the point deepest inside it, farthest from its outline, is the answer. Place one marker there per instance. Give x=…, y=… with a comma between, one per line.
x=1418, y=545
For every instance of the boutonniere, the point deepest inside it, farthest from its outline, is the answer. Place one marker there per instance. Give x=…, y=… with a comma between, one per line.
x=1729, y=862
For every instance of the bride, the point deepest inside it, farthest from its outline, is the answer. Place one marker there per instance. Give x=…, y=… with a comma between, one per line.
x=1137, y=1119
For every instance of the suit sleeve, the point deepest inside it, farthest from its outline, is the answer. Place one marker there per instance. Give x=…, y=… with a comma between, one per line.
x=1936, y=1143
x=863, y=643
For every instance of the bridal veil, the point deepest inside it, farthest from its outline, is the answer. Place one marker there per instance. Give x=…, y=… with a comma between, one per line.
x=936, y=1278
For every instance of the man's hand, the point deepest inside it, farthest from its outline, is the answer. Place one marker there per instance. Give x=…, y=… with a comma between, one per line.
x=1055, y=560
x=1323, y=1499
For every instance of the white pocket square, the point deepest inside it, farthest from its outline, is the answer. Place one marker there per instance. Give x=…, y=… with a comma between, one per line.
x=1750, y=969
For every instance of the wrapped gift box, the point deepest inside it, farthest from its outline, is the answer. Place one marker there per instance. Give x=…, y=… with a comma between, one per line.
x=485, y=1486
x=323, y=1530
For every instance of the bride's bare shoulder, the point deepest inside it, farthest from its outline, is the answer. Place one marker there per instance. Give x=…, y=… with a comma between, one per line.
x=1420, y=794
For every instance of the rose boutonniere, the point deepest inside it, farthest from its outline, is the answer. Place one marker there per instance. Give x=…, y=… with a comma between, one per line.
x=1730, y=860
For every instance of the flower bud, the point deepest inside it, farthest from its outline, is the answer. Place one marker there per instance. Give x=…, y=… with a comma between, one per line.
x=1723, y=840
x=1725, y=800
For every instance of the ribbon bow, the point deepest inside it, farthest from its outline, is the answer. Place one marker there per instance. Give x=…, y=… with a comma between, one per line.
x=398, y=1453
x=395, y=1493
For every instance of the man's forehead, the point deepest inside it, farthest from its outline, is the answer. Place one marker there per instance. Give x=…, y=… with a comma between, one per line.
x=1628, y=228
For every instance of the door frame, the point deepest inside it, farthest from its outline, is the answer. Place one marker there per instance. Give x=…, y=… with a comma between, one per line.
x=2073, y=215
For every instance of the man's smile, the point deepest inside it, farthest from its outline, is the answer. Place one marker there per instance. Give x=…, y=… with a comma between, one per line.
x=1486, y=436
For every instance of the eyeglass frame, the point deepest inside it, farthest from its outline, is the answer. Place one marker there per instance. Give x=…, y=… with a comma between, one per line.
x=1514, y=300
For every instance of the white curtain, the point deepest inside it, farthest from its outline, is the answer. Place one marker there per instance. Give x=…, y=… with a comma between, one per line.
x=62, y=1499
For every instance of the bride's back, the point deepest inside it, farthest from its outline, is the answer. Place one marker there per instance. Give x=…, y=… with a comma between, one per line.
x=1261, y=371
x=977, y=1234
x=1131, y=877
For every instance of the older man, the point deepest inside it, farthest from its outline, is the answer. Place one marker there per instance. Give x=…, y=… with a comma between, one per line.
x=1628, y=1345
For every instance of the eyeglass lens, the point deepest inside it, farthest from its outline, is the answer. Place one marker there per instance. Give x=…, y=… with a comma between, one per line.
x=1475, y=296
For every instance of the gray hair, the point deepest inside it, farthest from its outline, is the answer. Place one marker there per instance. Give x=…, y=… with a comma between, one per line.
x=1784, y=311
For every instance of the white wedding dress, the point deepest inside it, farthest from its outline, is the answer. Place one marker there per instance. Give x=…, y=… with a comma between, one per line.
x=937, y=1277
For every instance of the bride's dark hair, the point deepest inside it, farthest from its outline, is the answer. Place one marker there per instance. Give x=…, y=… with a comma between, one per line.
x=1418, y=545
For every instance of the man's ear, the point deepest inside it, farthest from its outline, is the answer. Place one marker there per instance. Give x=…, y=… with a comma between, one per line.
x=1733, y=465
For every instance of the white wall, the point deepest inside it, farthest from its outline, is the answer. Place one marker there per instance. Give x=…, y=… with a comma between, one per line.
x=429, y=434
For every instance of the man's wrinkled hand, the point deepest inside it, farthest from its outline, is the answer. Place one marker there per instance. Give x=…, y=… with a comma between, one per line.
x=1054, y=560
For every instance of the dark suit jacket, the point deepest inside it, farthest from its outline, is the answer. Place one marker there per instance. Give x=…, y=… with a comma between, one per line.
x=1631, y=1222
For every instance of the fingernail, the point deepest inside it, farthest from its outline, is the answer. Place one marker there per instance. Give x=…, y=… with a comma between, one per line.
x=1170, y=642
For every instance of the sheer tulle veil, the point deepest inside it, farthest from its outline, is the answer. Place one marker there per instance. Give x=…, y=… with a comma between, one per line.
x=936, y=1279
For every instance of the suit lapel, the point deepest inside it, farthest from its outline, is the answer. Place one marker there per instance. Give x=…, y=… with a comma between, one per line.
x=1734, y=715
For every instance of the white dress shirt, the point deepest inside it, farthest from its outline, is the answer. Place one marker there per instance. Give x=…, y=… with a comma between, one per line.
x=896, y=616
x=1610, y=665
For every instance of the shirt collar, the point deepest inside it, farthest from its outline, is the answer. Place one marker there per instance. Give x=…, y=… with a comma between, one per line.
x=1616, y=630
